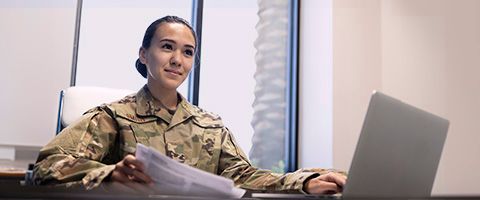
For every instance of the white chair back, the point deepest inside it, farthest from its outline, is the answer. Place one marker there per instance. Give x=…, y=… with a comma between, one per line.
x=74, y=101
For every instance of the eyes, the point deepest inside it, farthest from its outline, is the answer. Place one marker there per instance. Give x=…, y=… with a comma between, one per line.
x=168, y=46
x=189, y=52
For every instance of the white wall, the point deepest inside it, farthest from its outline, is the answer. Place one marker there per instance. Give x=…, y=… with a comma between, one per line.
x=315, y=85
x=36, y=57
x=424, y=52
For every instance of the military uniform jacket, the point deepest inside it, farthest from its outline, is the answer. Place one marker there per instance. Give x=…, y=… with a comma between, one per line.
x=86, y=152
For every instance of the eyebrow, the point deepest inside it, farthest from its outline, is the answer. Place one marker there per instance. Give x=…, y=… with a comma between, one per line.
x=173, y=41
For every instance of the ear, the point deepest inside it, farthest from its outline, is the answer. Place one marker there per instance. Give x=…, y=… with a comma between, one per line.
x=142, y=54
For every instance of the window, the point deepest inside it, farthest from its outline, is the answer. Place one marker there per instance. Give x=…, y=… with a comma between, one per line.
x=245, y=74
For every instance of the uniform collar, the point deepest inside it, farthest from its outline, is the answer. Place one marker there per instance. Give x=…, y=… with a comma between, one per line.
x=182, y=113
x=148, y=106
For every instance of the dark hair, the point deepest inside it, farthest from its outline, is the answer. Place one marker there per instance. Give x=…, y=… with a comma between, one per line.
x=150, y=32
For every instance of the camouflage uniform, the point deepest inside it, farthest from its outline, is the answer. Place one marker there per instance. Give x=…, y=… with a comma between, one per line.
x=86, y=152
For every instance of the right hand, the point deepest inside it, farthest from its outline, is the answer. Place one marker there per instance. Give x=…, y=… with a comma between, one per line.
x=130, y=170
x=329, y=183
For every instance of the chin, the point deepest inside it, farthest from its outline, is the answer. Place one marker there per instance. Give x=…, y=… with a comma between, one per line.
x=172, y=85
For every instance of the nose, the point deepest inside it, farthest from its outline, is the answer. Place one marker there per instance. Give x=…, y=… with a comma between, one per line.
x=176, y=59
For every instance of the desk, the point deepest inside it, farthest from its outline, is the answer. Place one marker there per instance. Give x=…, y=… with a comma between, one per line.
x=12, y=171
x=12, y=191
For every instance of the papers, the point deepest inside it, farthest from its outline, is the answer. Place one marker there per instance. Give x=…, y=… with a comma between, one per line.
x=174, y=178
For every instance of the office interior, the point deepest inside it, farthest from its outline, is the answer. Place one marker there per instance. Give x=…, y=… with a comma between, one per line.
x=424, y=52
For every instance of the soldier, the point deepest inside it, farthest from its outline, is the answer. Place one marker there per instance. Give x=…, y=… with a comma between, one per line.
x=100, y=146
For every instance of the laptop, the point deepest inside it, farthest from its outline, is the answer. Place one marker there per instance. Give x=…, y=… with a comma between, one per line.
x=397, y=153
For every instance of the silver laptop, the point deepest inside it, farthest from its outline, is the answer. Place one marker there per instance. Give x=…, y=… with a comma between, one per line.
x=397, y=153
x=398, y=150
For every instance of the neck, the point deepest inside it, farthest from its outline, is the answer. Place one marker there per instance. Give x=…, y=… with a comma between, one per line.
x=167, y=98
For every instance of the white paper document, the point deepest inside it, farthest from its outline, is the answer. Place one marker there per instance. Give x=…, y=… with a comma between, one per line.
x=172, y=177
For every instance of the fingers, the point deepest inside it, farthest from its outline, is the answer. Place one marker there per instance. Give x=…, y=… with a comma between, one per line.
x=135, y=168
x=140, y=177
x=130, y=169
x=319, y=186
x=329, y=183
x=117, y=176
x=330, y=188
x=133, y=163
x=333, y=177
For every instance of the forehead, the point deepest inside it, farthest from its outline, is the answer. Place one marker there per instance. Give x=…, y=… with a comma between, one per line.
x=175, y=31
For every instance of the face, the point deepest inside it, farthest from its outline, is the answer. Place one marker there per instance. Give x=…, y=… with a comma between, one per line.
x=170, y=56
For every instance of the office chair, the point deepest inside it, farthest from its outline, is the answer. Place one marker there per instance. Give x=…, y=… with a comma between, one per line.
x=76, y=100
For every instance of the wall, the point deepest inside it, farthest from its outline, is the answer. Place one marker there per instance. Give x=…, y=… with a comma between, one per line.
x=424, y=52
x=36, y=58
x=356, y=71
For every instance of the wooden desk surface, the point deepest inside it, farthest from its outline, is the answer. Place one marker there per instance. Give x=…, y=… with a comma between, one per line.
x=13, y=169
x=12, y=173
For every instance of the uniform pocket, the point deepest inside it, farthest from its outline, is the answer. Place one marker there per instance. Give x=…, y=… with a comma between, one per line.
x=132, y=131
x=149, y=134
x=209, y=151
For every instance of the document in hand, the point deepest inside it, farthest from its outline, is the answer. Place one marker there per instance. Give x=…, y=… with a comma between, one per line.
x=174, y=178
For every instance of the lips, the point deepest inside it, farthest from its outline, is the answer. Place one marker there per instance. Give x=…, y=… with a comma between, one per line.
x=173, y=71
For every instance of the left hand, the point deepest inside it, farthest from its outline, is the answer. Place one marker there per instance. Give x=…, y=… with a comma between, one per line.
x=329, y=183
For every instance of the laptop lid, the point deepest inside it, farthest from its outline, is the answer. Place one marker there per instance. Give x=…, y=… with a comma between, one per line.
x=398, y=151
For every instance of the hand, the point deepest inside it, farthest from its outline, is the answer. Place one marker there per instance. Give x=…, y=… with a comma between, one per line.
x=329, y=183
x=130, y=170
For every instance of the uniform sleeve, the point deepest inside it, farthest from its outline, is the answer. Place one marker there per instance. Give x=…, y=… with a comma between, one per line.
x=83, y=153
x=234, y=165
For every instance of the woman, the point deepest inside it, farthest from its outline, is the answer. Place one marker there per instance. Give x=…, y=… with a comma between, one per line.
x=100, y=146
